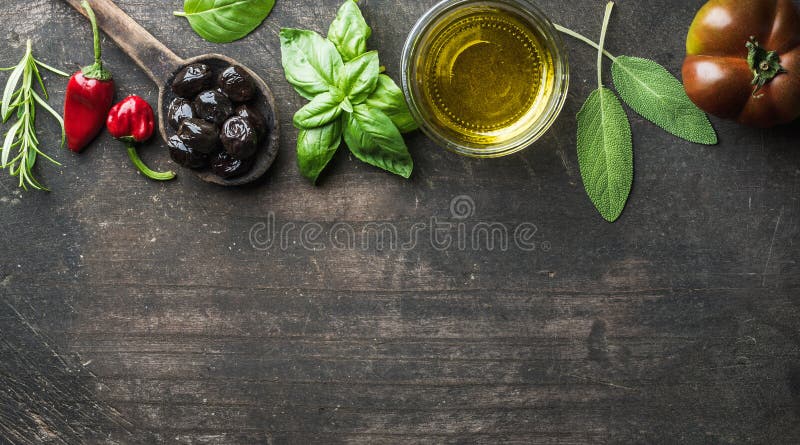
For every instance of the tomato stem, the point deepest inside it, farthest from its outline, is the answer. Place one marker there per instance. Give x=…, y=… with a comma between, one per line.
x=765, y=65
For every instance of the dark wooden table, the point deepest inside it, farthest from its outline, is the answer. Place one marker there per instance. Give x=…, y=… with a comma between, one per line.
x=136, y=312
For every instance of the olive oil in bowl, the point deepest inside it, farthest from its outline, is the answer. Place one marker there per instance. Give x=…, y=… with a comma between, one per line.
x=484, y=78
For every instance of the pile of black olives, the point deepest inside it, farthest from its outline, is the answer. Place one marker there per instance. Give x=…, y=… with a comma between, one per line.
x=217, y=125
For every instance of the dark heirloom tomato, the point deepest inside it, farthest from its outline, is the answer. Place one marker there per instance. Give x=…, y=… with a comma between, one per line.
x=743, y=61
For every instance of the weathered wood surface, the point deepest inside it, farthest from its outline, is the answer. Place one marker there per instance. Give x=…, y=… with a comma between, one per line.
x=135, y=312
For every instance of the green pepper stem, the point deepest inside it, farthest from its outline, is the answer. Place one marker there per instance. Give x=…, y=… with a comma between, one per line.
x=98, y=51
x=583, y=39
x=96, y=70
x=137, y=161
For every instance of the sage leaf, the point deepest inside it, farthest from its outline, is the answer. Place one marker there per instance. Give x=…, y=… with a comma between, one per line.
x=389, y=98
x=316, y=147
x=223, y=21
x=310, y=62
x=349, y=32
x=320, y=111
x=605, y=152
x=359, y=77
x=650, y=90
x=373, y=138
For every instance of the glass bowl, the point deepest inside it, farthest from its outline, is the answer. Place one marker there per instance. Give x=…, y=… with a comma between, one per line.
x=485, y=142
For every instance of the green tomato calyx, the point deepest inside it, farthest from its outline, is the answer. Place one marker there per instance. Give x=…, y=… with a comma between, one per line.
x=764, y=64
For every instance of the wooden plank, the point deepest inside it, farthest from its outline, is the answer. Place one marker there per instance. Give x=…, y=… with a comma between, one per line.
x=135, y=312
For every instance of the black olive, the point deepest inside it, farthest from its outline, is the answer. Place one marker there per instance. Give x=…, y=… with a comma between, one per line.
x=226, y=166
x=199, y=135
x=239, y=138
x=237, y=84
x=186, y=156
x=179, y=110
x=213, y=106
x=256, y=119
x=193, y=79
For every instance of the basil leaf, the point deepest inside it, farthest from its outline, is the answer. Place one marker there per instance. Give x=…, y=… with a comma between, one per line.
x=359, y=77
x=389, y=98
x=349, y=32
x=605, y=152
x=310, y=62
x=346, y=105
x=316, y=147
x=650, y=90
x=374, y=139
x=223, y=21
x=320, y=111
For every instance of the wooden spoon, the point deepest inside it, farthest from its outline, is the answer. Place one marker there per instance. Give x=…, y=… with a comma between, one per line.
x=161, y=65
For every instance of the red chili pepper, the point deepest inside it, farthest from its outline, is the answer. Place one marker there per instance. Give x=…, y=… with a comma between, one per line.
x=132, y=121
x=90, y=93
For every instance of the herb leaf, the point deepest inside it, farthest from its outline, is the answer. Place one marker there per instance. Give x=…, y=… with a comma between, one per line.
x=8, y=93
x=650, y=90
x=605, y=146
x=389, y=98
x=310, y=62
x=605, y=152
x=9, y=141
x=374, y=139
x=320, y=111
x=349, y=32
x=223, y=21
x=359, y=77
x=316, y=147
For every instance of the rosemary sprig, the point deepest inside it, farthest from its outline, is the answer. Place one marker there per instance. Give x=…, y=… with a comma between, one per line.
x=20, y=99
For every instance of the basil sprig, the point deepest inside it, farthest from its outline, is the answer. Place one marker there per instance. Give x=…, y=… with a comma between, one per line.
x=349, y=97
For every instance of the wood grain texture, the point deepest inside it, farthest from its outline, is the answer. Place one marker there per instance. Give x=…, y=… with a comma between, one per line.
x=136, y=312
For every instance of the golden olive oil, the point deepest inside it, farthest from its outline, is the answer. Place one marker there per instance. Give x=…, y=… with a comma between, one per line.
x=485, y=75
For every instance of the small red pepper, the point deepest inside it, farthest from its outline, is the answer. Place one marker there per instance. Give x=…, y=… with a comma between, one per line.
x=90, y=93
x=132, y=121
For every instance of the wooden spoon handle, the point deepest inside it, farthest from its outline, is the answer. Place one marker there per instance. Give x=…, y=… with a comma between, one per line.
x=158, y=61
